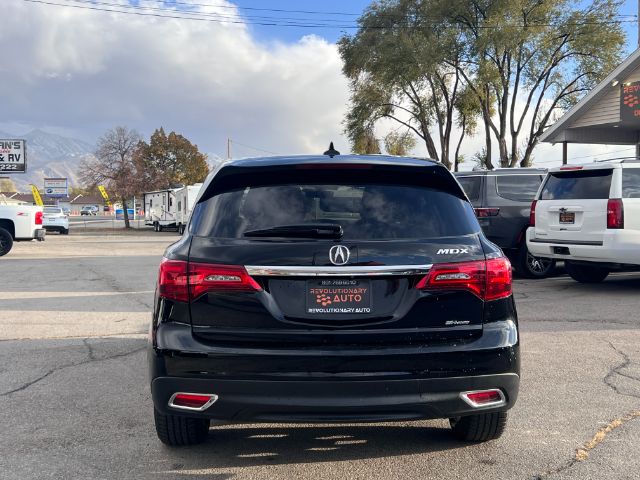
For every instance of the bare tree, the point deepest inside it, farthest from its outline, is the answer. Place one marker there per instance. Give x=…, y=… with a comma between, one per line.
x=113, y=165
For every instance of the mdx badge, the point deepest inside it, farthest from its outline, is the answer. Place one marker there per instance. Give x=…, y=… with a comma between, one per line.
x=339, y=254
x=451, y=251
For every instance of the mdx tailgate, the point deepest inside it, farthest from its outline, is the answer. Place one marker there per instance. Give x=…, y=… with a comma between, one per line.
x=309, y=300
x=323, y=254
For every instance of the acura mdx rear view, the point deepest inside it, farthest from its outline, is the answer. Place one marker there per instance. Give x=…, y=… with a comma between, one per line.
x=343, y=289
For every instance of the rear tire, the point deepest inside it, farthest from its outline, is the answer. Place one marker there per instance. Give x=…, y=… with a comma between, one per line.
x=65, y=231
x=6, y=242
x=529, y=266
x=586, y=273
x=155, y=227
x=177, y=431
x=479, y=428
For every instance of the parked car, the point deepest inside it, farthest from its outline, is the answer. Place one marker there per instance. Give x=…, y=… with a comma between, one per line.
x=589, y=216
x=502, y=201
x=89, y=210
x=356, y=288
x=55, y=220
x=17, y=223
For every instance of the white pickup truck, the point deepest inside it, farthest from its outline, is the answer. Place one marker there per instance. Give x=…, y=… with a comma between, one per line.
x=19, y=222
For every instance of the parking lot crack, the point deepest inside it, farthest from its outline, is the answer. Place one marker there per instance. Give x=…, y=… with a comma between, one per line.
x=91, y=358
x=617, y=370
x=582, y=453
x=85, y=341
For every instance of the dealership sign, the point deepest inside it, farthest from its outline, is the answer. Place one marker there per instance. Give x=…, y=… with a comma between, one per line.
x=13, y=156
x=55, y=187
x=630, y=102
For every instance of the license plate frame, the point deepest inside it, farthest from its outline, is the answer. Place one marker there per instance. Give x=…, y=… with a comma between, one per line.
x=567, y=218
x=327, y=296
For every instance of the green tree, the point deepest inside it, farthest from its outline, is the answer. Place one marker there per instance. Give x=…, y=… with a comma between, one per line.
x=397, y=70
x=113, y=166
x=364, y=141
x=169, y=160
x=523, y=61
x=529, y=60
x=399, y=144
x=7, y=185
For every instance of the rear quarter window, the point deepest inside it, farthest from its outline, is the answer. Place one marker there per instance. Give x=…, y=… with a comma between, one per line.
x=519, y=188
x=631, y=183
x=577, y=185
x=471, y=186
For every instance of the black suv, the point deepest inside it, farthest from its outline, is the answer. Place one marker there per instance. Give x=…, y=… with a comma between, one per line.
x=317, y=289
x=502, y=201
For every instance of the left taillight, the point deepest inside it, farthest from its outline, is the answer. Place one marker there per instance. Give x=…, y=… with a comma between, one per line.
x=38, y=218
x=184, y=281
x=488, y=280
x=172, y=280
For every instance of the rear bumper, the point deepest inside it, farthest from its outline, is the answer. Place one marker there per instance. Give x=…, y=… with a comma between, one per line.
x=56, y=228
x=324, y=384
x=38, y=234
x=617, y=246
x=335, y=401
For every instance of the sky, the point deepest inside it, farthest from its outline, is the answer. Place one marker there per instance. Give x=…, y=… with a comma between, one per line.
x=270, y=89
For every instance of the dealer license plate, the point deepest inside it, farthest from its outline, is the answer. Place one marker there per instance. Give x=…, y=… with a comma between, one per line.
x=338, y=296
x=567, y=217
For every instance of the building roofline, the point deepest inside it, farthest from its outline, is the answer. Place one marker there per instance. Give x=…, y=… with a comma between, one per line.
x=628, y=64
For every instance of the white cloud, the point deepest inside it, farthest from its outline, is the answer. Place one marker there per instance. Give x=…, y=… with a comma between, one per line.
x=87, y=71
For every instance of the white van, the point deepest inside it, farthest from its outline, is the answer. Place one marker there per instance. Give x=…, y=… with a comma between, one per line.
x=185, y=200
x=589, y=216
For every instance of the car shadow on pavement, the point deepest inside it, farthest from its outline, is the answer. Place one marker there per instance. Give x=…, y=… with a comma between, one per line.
x=241, y=446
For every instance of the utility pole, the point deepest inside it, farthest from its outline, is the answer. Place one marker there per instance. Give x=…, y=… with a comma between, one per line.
x=229, y=142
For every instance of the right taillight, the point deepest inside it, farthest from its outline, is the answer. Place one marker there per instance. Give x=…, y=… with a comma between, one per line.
x=615, y=213
x=532, y=214
x=184, y=282
x=488, y=280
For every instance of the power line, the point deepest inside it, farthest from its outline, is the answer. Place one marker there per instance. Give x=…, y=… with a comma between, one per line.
x=235, y=142
x=170, y=13
x=167, y=8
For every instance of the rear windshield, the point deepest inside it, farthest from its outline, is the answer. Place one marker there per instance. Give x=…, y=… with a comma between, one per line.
x=52, y=210
x=365, y=211
x=471, y=186
x=631, y=183
x=519, y=188
x=574, y=185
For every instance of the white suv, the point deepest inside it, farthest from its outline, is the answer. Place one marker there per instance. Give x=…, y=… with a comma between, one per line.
x=55, y=220
x=589, y=216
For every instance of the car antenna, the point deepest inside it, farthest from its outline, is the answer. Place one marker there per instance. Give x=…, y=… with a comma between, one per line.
x=332, y=152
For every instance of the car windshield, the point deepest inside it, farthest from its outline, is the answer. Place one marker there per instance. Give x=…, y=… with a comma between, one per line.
x=50, y=210
x=366, y=211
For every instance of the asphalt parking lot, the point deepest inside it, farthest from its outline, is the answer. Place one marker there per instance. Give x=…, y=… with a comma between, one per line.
x=75, y=401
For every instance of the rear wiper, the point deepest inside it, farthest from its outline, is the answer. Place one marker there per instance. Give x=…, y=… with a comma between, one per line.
x=308, y=230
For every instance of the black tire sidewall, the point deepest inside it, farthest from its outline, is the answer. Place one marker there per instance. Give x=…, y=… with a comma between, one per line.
x=522, y=266
x=7, y=241
x=586, y=273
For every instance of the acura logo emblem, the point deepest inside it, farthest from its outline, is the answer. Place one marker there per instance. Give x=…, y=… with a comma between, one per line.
x=339, y=254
